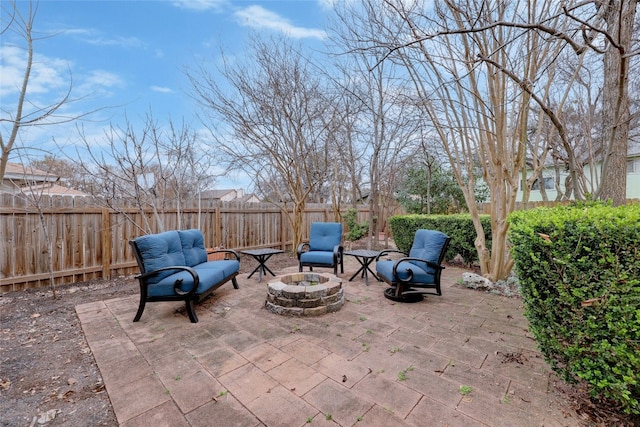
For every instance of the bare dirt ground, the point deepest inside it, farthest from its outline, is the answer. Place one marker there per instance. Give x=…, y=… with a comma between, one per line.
x=48, y=375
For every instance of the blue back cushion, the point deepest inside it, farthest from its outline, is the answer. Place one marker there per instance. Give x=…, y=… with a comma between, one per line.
x=193, y=246
x=427, y=245
x=324, y=236
x=160, y=250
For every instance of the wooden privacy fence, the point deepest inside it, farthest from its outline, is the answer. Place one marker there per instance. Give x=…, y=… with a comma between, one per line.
x=88, y=243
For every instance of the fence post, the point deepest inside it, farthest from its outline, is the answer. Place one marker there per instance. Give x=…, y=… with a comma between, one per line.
x=283, y=231
x=105, y=232
x=217, y=227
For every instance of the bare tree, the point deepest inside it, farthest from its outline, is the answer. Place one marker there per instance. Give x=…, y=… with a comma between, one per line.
x=17, y=117
x=388, y=122
x=478, y=66
x=35, y=192
x=462, y=68
x=617, y=31
x=272, y=121
x=69, y=172
x=156, y=167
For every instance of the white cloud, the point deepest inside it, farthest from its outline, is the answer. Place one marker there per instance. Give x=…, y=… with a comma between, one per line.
x=97, y=85
x=103, y=78
x=327, y=4
x=47, y=74
x=128, y=42
x=95, y=37
x=201, y=5
x=161, y=89
x=260, y=18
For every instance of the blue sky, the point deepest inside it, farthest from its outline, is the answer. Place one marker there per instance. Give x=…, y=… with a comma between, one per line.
x=128, y=57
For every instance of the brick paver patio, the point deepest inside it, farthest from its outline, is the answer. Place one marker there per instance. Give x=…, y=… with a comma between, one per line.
x=373, y=363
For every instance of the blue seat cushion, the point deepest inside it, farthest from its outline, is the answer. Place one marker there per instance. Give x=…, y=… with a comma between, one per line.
x=209, y=275
x=324, y=236
x=317, y=257
x=160, y=250
x=193, y=246
x=228, y=266
x=384, y=270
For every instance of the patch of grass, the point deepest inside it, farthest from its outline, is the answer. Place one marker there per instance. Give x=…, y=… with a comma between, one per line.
x=394, y=350
x=309, y=419
x=465, y=390
x=402, y=375
x=362, y=318
x=328, y=417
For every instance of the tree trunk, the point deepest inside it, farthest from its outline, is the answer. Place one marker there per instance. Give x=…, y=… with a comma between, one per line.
x=619, y=16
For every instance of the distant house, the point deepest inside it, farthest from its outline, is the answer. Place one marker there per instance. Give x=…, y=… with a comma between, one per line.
x=25, y=180
x=547, y=178
x=228, y=196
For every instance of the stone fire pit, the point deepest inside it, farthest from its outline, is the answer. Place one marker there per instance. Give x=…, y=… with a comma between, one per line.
x=305, y=294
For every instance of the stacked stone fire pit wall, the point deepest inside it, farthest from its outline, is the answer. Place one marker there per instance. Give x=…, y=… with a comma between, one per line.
x=305, y=294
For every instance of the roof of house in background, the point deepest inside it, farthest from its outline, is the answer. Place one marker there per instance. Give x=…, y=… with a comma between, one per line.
x=18, y=173
x=227, y=195
x=20, y=179
x=219, y=194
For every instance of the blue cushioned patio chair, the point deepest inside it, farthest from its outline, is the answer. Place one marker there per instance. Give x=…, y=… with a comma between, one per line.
x=324, y=248
x=418, y=270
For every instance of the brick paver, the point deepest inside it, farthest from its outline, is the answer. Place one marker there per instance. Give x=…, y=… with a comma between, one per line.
x=373, y=363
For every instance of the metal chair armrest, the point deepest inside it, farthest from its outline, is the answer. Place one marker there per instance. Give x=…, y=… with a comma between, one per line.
x=410, y=278
x=389, y=251
x=302, y=247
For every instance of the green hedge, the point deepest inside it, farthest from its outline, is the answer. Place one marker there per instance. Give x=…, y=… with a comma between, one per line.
x=459, y=227
x=579, y=271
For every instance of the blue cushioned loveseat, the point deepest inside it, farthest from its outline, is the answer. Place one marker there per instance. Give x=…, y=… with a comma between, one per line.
x=174, y=267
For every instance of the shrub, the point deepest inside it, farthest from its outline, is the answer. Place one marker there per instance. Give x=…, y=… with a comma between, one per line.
x=579, y=271
x=459, y=227
x=356, y=230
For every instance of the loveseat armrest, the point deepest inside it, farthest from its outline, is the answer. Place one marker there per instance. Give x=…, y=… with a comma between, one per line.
x=224, y=251
x=176, y=286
